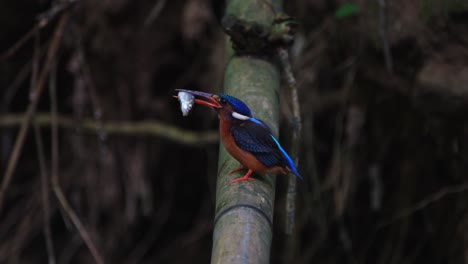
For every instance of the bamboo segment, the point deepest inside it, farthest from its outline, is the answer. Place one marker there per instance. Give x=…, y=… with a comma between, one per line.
x=244, y=210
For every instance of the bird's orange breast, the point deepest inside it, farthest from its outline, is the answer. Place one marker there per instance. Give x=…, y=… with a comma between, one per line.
x=247, y=159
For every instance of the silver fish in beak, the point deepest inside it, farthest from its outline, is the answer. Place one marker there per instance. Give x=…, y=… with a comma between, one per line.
x=186, y=102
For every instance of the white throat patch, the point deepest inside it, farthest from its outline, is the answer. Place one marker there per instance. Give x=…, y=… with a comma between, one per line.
x=239, y=116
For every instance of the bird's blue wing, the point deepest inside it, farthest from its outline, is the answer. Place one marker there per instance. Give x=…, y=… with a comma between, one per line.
x=255, y=137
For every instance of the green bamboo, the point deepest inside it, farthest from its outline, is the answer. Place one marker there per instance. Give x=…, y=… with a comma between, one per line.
x=244, y=210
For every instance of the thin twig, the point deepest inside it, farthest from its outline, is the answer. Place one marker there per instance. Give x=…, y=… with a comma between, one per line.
x=55, y=175
x=292, y=181
x=148, y=128
x=154, y=13
x=58, y=7
x=157, y=225
x=18, y=44
x=45, y=196
x=12, y=89
x=426, y=202
x=77, y=223
x=43, y=20
x=383, y=35
x=338, y=174
x=22, y=231
x=101, y=133
x=45, y=191
x=26, y=70
x=34, y=99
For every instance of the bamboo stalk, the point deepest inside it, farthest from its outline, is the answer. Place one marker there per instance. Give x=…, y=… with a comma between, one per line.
x=244, y=210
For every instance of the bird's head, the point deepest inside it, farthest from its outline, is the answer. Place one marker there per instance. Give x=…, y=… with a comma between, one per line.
x=233, y=107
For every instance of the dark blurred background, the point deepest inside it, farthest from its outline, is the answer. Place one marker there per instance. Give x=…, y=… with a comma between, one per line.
x=383, y=88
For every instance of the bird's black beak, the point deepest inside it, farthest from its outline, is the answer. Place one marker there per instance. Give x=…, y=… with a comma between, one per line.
x=210, y=99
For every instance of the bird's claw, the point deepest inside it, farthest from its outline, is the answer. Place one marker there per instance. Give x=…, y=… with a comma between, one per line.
x=236, y=170
x=246, y=177
x=241, y=179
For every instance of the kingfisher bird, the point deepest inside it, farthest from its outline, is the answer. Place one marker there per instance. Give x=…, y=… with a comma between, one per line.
x=249, y=140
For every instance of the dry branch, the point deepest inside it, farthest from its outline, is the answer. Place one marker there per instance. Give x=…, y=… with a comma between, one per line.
x=296, y=137
x=149, y=128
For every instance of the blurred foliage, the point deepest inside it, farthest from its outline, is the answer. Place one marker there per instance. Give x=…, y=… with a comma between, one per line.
x=433, y=9
x=347, y=10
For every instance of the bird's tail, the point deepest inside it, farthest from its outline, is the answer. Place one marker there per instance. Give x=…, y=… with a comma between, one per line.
x=293, y=170
x=289, y=162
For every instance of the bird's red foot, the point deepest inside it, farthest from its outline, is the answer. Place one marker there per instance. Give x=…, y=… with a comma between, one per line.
x=246, y=177
x=236, y=170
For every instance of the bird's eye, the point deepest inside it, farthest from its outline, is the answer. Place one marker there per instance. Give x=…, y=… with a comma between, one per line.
x=223, y=101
